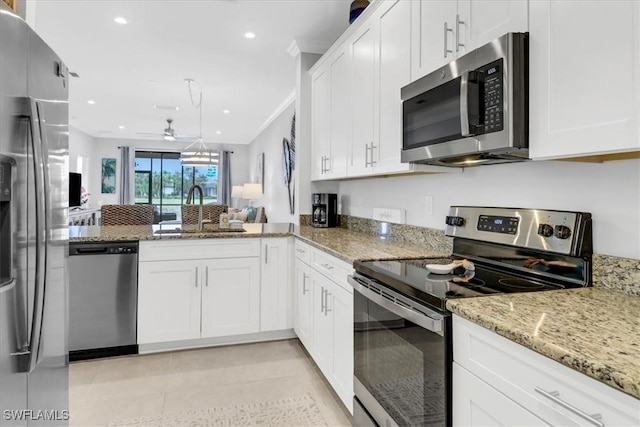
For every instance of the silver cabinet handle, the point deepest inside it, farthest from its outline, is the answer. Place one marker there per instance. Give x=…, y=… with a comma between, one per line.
x=446, y=31
x=327, y=266
x=373, y=162
x=554, y=396
x=366, y=155
x=326, y=302
x=266, y=254
x=196, y=277
x=322, y=300
x=327, y=161
x=322, y=168
x=304, y=284
x=458, y=22
x=300, y=251
x=206, y=276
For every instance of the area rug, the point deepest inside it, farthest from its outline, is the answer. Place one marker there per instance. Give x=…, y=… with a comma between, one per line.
x=292, y=411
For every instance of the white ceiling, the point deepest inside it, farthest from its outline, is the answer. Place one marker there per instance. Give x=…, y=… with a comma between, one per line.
x=167, y=41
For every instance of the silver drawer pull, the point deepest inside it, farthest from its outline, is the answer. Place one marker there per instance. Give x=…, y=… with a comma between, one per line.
x=554, y=396
x=327, y=266
x=300, y=251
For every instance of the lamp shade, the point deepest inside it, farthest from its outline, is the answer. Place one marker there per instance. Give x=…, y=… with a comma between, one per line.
x=252, y=191
x=237, y=192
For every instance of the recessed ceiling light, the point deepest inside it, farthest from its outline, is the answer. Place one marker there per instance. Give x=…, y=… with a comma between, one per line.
x=152, y=82
x=250, y=35
x=91, y=102
x=218, y=132
x=226, y=111
x=120, y=20
x=120, y=127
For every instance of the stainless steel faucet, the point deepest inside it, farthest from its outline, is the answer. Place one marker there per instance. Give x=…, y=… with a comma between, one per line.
x=189, y=196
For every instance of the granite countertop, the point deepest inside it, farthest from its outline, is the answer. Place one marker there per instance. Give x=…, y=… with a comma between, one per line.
x=342, y=243
x=353, y=246
x=114, y=233
x=592, y=330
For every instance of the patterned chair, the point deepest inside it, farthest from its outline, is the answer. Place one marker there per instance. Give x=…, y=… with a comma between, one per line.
x=127, y=214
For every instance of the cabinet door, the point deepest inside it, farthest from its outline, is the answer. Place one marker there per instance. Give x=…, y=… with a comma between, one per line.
x=320, y=121
x=431, y=46
x=363, y=60
x=584, y=78
x=394, y=68
x=322, y=325
x=340, y=306
x=276, y=296
x=168, y=301
x=476, y=403
x=485, y=20
x=340, y=115
x=231, y=297
x=304, y=305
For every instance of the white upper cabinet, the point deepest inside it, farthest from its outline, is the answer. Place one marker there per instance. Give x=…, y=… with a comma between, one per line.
x=331, y=117
x=584, y=62
x=445, y=30
x=432, y=43
x=363, y=54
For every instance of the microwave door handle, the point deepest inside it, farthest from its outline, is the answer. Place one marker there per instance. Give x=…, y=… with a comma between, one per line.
x=469, y=103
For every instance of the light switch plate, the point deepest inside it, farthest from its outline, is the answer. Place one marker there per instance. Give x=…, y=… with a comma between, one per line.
x=389, y=215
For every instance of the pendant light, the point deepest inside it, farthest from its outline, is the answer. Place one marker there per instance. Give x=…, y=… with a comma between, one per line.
x=197, y=154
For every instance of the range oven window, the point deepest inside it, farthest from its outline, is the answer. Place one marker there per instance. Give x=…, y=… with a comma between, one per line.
x=403, y=366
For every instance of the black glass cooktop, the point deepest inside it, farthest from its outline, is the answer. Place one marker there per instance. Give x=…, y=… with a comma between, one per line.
x=411, y=278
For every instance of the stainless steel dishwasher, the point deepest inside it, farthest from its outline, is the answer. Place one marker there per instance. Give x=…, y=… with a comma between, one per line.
x=103, y=299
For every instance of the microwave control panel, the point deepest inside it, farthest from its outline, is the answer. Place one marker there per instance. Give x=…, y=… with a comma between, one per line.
x=493, y=96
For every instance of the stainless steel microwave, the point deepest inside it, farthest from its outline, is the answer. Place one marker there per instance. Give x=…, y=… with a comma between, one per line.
x=473, y=110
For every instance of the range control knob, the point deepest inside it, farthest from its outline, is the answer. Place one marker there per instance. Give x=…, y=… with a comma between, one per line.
x=457, y=221
x=545, y=230
x=562, y=232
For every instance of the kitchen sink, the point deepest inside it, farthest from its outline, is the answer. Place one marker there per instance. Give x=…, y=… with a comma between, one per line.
x=193, y=230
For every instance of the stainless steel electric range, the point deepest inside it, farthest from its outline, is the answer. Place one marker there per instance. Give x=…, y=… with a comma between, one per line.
x=402, y=330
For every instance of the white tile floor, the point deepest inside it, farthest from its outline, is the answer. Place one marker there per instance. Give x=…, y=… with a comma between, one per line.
x=149, y=385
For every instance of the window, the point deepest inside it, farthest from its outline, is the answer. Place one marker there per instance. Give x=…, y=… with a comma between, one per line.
x=162, y=181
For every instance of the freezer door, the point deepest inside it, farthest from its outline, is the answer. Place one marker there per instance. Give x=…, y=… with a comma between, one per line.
x=13, y=148
x=48, y=382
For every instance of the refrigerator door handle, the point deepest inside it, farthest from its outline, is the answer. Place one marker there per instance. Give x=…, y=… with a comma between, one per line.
x=30, y=352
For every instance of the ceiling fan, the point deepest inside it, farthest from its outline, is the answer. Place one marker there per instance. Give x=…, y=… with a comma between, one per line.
x=169, y=134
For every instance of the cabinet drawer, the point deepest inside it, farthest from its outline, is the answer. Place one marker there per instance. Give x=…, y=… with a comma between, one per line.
x=303, y=251
x=199, y=249
x=332, y=267
x=525, y=376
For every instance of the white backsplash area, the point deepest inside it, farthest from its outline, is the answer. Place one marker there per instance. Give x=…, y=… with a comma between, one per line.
x=610, y=191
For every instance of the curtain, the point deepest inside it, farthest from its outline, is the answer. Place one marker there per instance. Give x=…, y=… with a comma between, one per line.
x=224, y=188
x=127, y=179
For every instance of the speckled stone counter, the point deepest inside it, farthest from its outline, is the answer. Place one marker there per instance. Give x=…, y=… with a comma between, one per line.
x=114, y=233
x=350, y=245
x=594, y=331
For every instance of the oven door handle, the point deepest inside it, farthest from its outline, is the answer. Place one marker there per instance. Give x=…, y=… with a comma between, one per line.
x=429, y=323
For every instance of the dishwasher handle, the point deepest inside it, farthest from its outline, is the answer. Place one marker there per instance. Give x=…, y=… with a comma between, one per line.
x=90, y=251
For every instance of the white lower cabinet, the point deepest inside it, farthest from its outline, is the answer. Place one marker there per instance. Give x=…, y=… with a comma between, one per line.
x=231, y=297
x=499, y=382
x=197, y=289
x=324, y=317
x=476, y=403
x=168, y=301
x=276, y=291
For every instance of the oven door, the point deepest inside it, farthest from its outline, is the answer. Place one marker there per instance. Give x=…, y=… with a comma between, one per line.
x=402, y=358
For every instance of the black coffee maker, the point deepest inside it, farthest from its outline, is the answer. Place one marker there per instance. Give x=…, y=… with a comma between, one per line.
x=324, y=210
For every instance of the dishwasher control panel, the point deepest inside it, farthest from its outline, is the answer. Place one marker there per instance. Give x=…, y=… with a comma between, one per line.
x=106, y=248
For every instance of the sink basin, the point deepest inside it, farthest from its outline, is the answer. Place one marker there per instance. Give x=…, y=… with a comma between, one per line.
x=194, y=230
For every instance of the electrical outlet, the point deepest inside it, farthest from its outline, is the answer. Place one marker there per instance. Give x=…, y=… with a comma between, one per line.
x=389, y=215
x=428, y=205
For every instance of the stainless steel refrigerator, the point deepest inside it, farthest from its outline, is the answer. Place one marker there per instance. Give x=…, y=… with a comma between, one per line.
x=34, y=383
